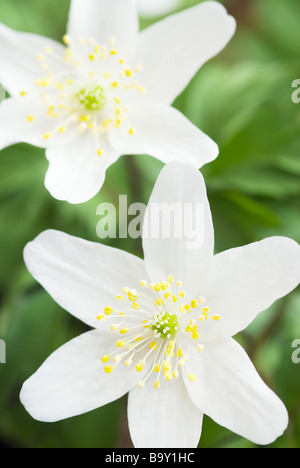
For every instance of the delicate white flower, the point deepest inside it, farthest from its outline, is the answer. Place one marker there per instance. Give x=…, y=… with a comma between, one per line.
x=163, y=328
x=108, y=91
x=156, y=7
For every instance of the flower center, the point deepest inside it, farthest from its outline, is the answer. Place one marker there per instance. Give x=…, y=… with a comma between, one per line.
x=91, y=93
x=92, y=97
x=165, y=325
x=157, y=328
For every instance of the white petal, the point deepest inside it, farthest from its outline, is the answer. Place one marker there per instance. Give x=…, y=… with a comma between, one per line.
x=104, y=19
x=247, y=280
x=187, y=248
x=173, y=49
x=19, y=67
x=156, y=7
x=229, y=390
x=16, y=128
x=72, y=380
x=76, y=173
x=164, y=417
x=83, y=277
x=166, y=134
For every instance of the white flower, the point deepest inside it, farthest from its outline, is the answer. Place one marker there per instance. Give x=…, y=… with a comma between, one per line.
x=108, y=91
x=163, y=328
x=156, y=7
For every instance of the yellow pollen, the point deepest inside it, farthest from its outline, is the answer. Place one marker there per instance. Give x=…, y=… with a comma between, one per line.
x=156, y=384
x=132, y=131
x=216, y=317
x=192, y=377
x=30, y=118
x=113, y=52
x=156, y=368
x=124, y=330
x=47, y=135
x=105, y=358
x=99, y=152
x=108, y=310
x=120, y=343
x=67, y=39
x=100, y=317
x=108, y=369
x=140, y=366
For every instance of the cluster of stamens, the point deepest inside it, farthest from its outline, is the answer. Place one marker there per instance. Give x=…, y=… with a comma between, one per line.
x=88, y=95
x=154, y=331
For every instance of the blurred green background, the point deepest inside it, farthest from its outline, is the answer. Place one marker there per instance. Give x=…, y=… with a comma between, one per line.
x=242, y=99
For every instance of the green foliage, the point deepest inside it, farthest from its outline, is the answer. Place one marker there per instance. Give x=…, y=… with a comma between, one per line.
x=242, y=99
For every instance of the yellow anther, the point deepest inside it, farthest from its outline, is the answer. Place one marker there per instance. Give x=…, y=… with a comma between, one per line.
x=128, y=72
x=92, y=57
x=105, y=358
x=96, y=48
x=99, y=152
x=179, y=352
x=216, y=317
x=30, y=118
x=132, y=131
x=108, y=369
x=141, y=383
x=100, y=317
x=168, y=375
x=182, y=294
x=128, y=362
x=108, y=310
x=67, y=39
x=140, y=366
x=192, y=377
x=156, y=367
x=120, y=298
x=159, y=302
x=132, y=296
x=62, y=129
x=124, y=330
x=175, y=374
x=114, y=327
x=156, y=384
x=166, y=365
x=200, y=347
x=153, y=345
x=41, y=82
x=167, y=295
x=171, y=279
x=206, y=310
x=121, y=343
x=175, y=298
x=23, y=93
x=194, y=304
x=201, y=300
x=47, y=135
x=40, y=57
x=113, y=52
x=69, y=53
x=121, y=61
x=125, y=289
x=143, y=283
x=85, y=118
x=179, y=284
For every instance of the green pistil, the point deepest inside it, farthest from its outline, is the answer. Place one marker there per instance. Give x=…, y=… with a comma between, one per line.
x=92, y=98
x=166, y=325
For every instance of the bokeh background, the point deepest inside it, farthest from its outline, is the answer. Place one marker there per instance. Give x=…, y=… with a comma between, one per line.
x=242, y=99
